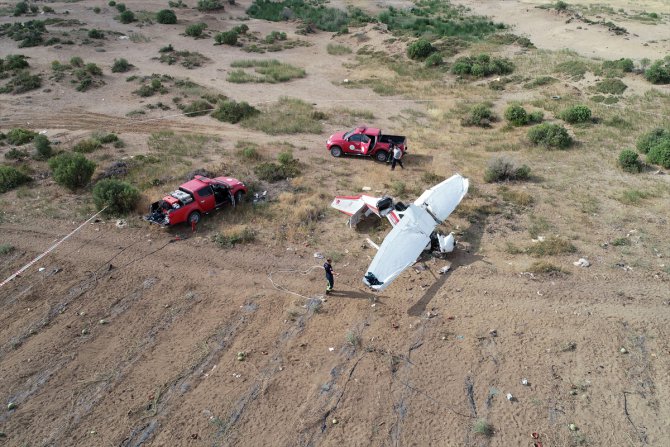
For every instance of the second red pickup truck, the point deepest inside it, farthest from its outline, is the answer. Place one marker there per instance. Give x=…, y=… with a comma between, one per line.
x=365, y=141
x=194, y=198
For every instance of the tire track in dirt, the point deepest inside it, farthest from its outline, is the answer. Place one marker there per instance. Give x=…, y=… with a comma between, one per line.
x=78, y=119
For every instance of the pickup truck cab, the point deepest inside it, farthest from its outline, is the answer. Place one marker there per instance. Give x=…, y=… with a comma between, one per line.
x=366, y=142
x=198, y=196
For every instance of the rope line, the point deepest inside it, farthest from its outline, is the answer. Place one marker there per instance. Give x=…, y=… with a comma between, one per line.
x=43, y=254
x=301, y=272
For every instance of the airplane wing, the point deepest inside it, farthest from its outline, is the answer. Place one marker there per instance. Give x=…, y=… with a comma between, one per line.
x=442, y=199
x=358, y=207
x=401, y=247
x=348, y=205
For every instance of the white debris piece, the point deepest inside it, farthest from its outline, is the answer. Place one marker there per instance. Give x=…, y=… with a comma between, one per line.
x=445, y=269
x=582, y=263
x=366, y=188
x=120, y=223
x=318, y=255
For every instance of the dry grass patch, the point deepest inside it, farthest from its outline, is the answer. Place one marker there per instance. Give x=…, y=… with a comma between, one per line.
x=287, y=116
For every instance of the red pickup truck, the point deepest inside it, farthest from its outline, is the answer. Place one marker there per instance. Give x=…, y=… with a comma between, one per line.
x=195, y=198
x=364, y=141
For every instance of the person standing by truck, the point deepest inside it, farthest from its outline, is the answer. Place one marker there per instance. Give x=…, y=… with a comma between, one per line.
x=329, y=276
x=396, y=157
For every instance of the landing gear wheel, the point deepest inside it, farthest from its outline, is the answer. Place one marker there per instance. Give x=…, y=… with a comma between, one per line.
x=194, y=218
x=336, y=151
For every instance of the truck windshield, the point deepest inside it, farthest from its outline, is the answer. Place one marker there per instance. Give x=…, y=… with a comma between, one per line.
x=348, y=134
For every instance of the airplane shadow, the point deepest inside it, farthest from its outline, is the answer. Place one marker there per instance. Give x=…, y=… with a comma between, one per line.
x=459, y=258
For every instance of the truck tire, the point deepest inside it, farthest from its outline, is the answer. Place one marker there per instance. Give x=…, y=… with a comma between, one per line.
x=336, y=151
x=194, y=218
x=381, y=156
x=239, y=196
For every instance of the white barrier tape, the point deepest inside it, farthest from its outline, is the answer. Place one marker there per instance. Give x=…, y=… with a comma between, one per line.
x=284, y=289
x=27, y=266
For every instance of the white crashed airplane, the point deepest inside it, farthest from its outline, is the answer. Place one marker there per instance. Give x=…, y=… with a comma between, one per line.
x=413, y=226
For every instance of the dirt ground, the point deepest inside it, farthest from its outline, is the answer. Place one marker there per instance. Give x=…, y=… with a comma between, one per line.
x=129, y=336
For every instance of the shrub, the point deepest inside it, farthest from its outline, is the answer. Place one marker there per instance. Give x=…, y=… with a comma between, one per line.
x=120, y=66
x=516, y=115
x=95, y=10
x=536, y=116
x=629, y=161
x=481, y=66
x=6, y=249
x=434, y=60
x=624, y=65
x=550, y=136
x=96, y=34
x=481, y=427
x=612, y=86
x=226, y=38
x=234, y=112
x=71, y=170
x=87, y=146
x=479, y=115
x=108, y=138
x=231, y=237
x=43, y=147
x=19, y=137
x=126, y=16
x=420, y=49
x=209, y=5
x=337, y=49
x=660, y=154
x=119, y=197
x=10, y=178
x=20, y=8
x=166, y=17
x=121, y=7
x=16, y=154
x=576, y=114
x=652, y=138
x=502, y=169
x=273, y=172
x=22, y=82
x=76, y=61
x=658, y=73
x=198, y=107
x=195, y=30
x=551, y=247
x=93, y=69
x=112, y=3
x=13, y=62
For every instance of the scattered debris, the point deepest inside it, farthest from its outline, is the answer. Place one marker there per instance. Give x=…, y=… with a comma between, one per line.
x=509, y=397
x=572, y=427
x=366, y=188
x=259, y=197
x=582, y=263
x=241, y=356
x=556, y=97
x=331, y=349
x=445, y=269
x=493, y=333
x=11, y=406
x=524, y=382
x=623, y=350
x=103, y=321
x=41, y=269
x=334, y=421
x=121, y=223
x=420, y=268
x=84, y=332
x=318, y=255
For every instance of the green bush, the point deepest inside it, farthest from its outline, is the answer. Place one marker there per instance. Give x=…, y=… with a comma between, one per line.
x=71, y=170
x=550, y=136
x=112, y=3
x=479, y=115
x=20, y=8
x=96, y=34
x=434, y=60
x=120, y=66
x=198, y=107
x=576, y=114
x=43, y=147
x=10, y=178
x=119, y=197
x=108, y=138
x=420, y=49
x=166, y=17
x=96, y=10
x=19, y=137
x=273, y=172
x=629, y=161
x=16, y=154
x=516, y=115
x=233, y=237
x=121, y=7
x=234, y=112
x=536, y=117
x=226, y=38
x=502, y=169
x=87, y=146
x=624, y=65
x=611, y=86
x=659, y=72
x=660, y=154
x=126, y=16
x=13, y=62
x=76, y=61
x=209, y=5
x=22, y=82
x=652, y=138
x=195, y=30
x=93, y=69
x=335, y=49
x=481, y=66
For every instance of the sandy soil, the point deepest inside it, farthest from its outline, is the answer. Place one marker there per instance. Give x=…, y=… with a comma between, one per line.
x=129, y=336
